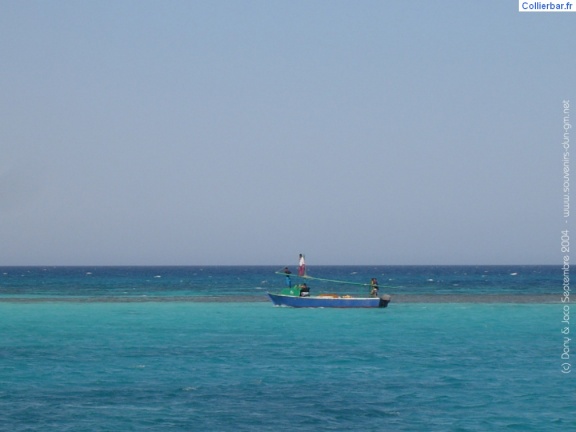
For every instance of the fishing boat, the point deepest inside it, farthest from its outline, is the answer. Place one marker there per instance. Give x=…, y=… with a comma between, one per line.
x=298, y=296
x=329, y=301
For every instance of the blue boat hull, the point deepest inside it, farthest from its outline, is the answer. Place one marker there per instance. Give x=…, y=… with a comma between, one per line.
x=328, y=302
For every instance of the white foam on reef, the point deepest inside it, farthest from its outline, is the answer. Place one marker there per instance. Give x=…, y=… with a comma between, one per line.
x=398, y=298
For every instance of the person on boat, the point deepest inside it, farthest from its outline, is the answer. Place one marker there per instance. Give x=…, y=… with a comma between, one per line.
x=301, y=266
x=304, y=290
x=288, y=280
x=373, y=288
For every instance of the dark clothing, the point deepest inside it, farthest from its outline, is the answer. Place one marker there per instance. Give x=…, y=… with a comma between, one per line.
x=288, y=280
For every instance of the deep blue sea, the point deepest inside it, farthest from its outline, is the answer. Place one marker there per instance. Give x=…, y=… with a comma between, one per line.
x=202, y=349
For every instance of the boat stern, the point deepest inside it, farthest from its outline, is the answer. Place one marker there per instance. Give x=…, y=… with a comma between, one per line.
x=384, y=300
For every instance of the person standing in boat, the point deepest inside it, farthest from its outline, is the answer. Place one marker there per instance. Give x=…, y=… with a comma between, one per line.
x=301, y=266
x=373, y=288
x=288, y=280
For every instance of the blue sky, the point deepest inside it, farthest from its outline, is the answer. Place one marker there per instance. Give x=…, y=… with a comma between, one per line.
x=246, y=132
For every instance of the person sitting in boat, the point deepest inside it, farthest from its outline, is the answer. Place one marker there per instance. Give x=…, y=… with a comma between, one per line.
x=304, y=290
x=373, y=288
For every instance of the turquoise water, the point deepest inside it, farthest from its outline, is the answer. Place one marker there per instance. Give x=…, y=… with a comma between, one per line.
x=250, y=366
x=80, y=352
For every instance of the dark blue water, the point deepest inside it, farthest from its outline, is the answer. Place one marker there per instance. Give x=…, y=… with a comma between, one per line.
x=254, y=281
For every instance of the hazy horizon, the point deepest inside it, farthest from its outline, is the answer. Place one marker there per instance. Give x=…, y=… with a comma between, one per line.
x=247, y=132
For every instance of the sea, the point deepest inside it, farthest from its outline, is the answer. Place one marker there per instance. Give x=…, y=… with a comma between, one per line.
x=459, y=348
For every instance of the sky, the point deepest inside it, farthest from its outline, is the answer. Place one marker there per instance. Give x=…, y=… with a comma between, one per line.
x=246, y=132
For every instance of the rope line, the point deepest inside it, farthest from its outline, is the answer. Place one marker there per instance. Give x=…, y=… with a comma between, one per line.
x=281, y=273
x=322, y=279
